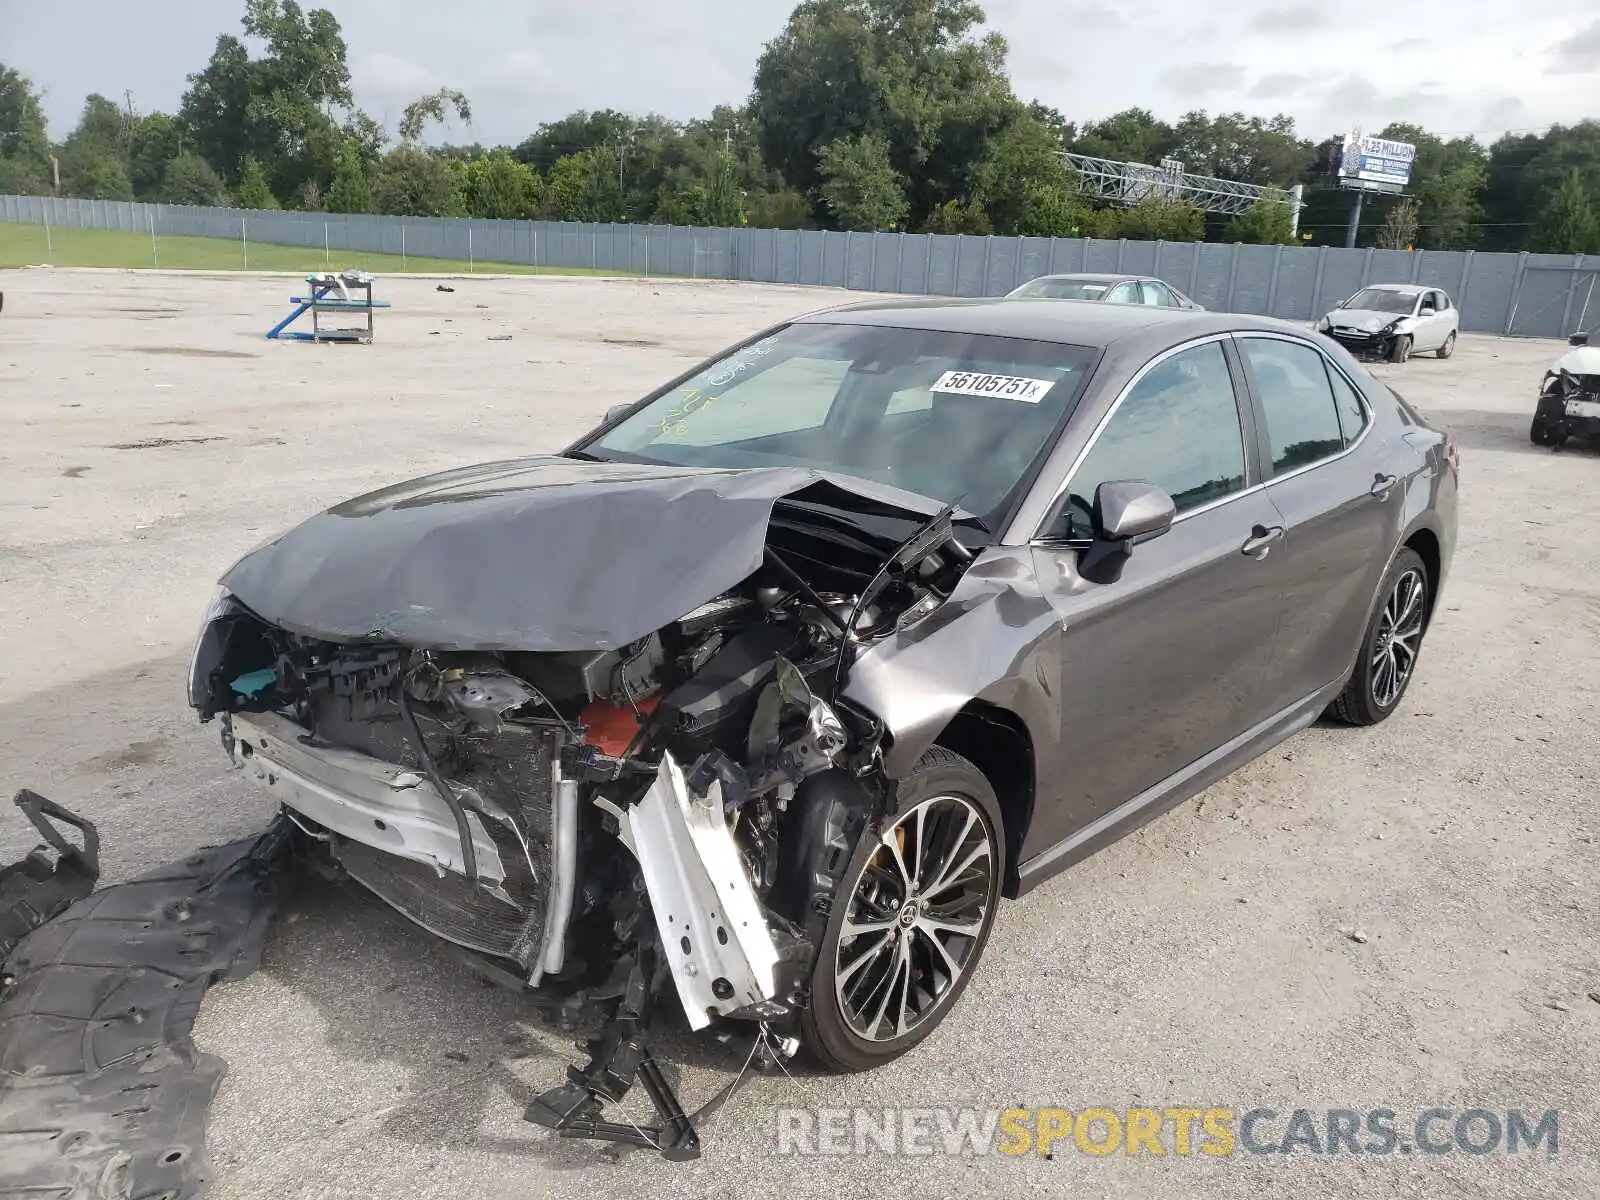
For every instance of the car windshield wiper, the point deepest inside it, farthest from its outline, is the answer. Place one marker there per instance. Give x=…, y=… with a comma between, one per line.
x=585, y=455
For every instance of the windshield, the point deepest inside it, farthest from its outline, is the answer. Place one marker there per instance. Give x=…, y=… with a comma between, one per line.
x=958, y=418
x=1063, y=289
x=1381, y=300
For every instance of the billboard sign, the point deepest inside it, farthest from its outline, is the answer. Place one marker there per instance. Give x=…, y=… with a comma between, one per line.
x=1376, y=162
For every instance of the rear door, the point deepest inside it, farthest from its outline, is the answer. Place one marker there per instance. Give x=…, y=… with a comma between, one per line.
x=1164, y=664
x=1449, y=317
x=1338, y=491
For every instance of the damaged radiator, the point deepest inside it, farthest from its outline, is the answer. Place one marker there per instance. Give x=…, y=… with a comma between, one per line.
x=509, y=780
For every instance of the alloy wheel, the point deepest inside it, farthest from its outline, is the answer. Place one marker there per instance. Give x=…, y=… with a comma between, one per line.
x=915, y=918
x=1394, y=651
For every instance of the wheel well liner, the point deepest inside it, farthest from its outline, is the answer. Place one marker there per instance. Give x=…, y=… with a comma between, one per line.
x=996, y=741
x=1426, y=543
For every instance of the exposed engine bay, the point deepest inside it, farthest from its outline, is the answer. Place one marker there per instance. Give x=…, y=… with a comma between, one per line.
x=666, y=817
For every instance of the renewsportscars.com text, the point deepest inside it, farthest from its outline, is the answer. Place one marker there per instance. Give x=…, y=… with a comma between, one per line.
x=1213, y=1131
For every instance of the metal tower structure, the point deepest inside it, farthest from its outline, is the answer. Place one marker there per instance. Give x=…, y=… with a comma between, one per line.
x=1131, y=183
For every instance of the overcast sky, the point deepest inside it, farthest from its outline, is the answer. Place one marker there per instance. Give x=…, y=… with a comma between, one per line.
x=1480, y=66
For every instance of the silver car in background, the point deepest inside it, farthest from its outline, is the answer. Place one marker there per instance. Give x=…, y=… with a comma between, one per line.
x=1108, y=287
x=1393, y=321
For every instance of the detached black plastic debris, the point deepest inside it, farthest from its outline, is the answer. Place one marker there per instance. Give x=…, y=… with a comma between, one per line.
x=36, y=889
x=102, y=1092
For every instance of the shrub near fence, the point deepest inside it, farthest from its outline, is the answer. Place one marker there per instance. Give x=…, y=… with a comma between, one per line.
x=1548, y=295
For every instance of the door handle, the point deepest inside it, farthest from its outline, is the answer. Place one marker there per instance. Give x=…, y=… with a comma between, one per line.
x=1381, y=484
x=1260, y=541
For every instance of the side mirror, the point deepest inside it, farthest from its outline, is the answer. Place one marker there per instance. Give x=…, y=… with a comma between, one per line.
x=1132, y=510
x=1126, y=512
x=1428, y=310
x=615, y=411
x=1578, y=339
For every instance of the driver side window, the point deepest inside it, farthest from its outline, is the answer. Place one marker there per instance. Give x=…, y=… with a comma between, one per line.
x=1178, y=428
x=1123, y=293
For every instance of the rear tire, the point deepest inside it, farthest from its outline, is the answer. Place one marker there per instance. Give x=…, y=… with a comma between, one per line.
x=1449, y=347
x=1391, y=645
x=894, y=895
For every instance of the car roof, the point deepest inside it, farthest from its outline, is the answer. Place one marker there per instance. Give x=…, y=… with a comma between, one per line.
x=1069, y=322
x=1405, y=289
x=1090, y=276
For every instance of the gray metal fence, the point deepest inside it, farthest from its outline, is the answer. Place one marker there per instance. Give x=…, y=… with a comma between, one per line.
x=1542, y=295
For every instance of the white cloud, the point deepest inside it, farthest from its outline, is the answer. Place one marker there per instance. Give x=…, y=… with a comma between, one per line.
x=1580, y=53
x=391, y=77
x=1199, y=80
x=527, y=61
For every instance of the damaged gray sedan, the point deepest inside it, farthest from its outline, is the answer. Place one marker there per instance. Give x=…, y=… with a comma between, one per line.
x=758, y=698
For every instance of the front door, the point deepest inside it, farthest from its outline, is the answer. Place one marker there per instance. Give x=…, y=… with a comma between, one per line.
x=1163, y=665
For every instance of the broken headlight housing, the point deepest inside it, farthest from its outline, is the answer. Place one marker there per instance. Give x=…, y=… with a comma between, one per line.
x=208, y=647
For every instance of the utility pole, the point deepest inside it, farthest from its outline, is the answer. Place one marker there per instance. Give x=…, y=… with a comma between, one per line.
x=127, y=128
x=1355, y=220
x=624, y=140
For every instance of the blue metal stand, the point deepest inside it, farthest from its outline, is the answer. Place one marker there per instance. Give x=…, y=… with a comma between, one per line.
x=321, y=300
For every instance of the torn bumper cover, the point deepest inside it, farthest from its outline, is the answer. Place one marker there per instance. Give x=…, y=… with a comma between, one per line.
x=102, y=1092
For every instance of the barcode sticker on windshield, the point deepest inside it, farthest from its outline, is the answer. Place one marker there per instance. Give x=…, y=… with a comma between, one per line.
x=1009, y=387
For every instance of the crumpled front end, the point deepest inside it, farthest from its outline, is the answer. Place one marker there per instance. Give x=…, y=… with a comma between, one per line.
x=554, y=811
x=1368, y=339
x=1569, y=404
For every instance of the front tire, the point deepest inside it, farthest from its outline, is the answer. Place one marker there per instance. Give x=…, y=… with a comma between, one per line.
x=1400, y=350
x=911, y=920
x=1391, y=645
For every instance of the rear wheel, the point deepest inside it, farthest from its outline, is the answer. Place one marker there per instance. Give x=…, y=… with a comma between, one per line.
x=909, y=926
x=1449, y=347
x=1390, y=648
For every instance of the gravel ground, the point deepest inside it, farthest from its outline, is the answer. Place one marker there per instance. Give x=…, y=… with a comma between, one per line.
x=148, y=435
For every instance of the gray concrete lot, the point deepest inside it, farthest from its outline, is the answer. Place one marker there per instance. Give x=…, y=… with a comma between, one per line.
x=148, y=435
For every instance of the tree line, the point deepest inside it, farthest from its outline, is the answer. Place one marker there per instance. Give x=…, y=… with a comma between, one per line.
x=863, y=114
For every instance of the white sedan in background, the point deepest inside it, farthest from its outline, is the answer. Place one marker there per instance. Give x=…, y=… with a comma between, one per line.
x=1393, y=321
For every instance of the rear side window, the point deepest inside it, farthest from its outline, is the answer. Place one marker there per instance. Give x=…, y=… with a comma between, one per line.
x=1151, y=292
x=1297, y=402
x=1124, y=293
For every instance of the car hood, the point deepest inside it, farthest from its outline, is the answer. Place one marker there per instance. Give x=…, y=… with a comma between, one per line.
x=545, y=553
x=1585, y=360
x=1365, y=319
